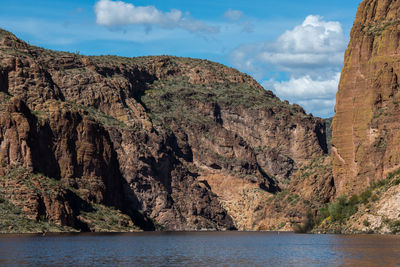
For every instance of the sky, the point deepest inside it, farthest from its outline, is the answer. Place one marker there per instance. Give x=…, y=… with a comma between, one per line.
x=293, y=48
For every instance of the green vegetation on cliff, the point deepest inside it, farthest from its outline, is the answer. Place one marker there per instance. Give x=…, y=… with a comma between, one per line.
x=18, y=213
x=338, y=216
x=14, y=220
x=175, y=98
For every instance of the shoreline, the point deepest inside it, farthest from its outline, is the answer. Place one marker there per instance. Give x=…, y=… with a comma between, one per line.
x=2, y=235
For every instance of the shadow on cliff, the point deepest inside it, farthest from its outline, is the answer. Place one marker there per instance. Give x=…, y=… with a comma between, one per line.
x=47, y=160
x=272, y=186
x=3, y=81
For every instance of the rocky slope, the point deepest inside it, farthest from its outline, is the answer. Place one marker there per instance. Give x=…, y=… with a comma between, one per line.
x=366, y=125
x=374, y=210
x=174, y=143
x=309, y=191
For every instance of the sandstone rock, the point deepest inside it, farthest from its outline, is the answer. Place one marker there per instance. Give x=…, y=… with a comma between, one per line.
x=366, y=123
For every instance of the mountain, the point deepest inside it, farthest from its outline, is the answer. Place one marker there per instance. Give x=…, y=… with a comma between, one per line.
x=106, y=143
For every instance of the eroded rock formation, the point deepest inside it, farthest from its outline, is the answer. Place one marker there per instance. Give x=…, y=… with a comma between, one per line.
x=154, y=137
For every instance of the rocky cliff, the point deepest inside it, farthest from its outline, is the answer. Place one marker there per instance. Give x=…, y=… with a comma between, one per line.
x=366, y=128
x=366, y=136
x=169, y=143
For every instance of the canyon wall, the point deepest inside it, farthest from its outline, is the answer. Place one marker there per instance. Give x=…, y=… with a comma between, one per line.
x=366, y=136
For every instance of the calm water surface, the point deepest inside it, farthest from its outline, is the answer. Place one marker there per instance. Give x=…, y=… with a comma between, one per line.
x=200, y=249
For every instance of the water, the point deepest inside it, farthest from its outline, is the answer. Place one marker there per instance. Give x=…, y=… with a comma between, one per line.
x=200, y=249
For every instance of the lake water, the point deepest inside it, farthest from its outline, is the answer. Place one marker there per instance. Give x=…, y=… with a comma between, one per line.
x=200, y=249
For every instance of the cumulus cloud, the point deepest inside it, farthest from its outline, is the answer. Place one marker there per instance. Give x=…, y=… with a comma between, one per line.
x=313, y=34
x=117, y=13
x=315, y=95
x=311, y=54
x=233, y=15
x=306, y=88
x=313, y=44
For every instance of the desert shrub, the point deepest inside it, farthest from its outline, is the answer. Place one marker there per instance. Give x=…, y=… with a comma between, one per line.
x=354, y=200
x=394, y=226
x=324, y=213
x=364, y=196
x=393, y=174
x=344, y=208
x=380, y=183
x=341, y=209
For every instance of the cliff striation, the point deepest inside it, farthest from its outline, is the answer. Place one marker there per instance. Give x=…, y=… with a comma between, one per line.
x=365, y=129
x=366, y=136
x=169, y=143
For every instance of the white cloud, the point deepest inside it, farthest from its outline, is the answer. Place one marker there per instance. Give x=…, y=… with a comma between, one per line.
x=306, y=88
x=233, y=15
x=313, y=44
x=118, y=13
x=320, y=107
x=315, y=95
x=314, y=35
x=311, y=54
x=298, y=61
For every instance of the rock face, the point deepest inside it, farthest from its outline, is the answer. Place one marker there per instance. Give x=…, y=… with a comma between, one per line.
x=154, y=137
x=309, y=190
x=366, y=136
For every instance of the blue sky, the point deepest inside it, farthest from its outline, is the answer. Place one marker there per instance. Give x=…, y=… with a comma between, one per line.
x=294, y=48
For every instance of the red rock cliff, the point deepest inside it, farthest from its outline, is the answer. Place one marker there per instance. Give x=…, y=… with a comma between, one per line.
x=366, y=136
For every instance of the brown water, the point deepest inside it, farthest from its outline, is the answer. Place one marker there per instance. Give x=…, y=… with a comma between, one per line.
x=200, y=249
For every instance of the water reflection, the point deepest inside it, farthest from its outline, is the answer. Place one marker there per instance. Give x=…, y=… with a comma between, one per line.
x=201, y=249
x=368, y=250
